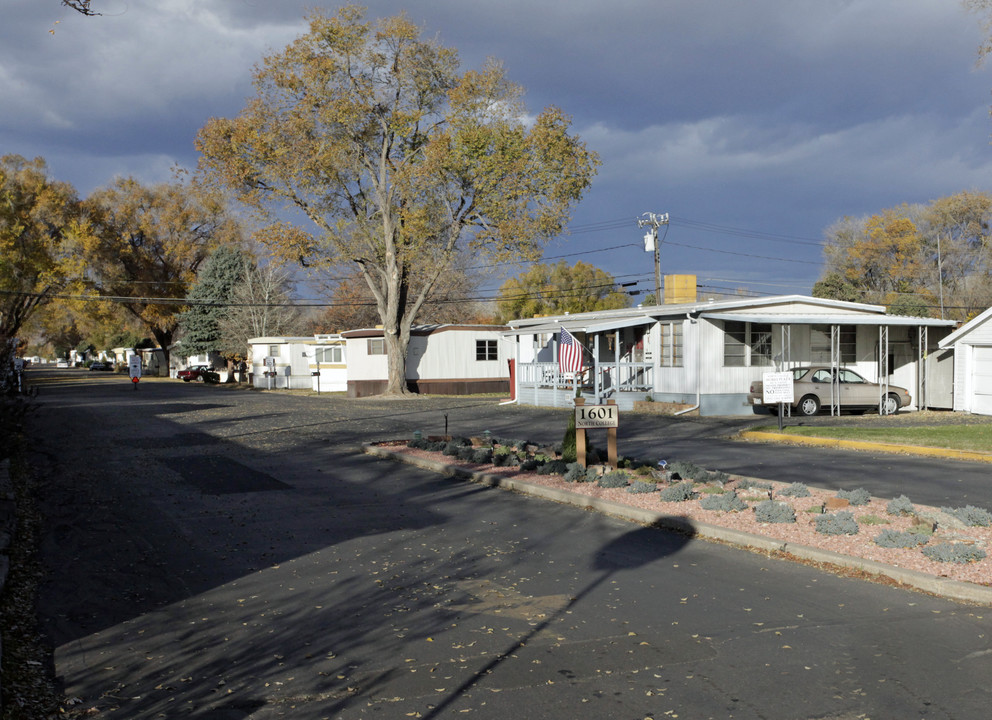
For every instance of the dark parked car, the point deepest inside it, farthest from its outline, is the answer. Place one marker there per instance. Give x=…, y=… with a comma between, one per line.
x=200, y=373
x=101, y=366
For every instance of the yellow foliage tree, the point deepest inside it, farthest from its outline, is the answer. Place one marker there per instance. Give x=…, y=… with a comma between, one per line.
x=141, y=246
x=398, y=159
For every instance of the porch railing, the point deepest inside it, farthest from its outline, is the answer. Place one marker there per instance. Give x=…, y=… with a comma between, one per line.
x=603, y=381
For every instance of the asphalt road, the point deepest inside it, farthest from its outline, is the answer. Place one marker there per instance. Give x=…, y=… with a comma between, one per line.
x=223, y=554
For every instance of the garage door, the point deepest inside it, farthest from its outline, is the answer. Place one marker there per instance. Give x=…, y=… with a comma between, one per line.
x=981, y=380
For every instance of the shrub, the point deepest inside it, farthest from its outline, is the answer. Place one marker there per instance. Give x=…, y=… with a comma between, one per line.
x=508, y=459
x=896, y=539
x=796, y=490
x=954, y=552
x=420, y=444
x=900, y=506
x=451, y=448
x=482, y=456
x=872, y=520
x=466, y=453
x=841, y=523
x=748, y=483
x=771, y=511
x=970, y=515
x=859, y=496
x=639, y=486
x=726, y=502
x=679, y=492
x=555, y=467
x=530, y=464
x=615, y=479
x=574, y=473
x=681, y=470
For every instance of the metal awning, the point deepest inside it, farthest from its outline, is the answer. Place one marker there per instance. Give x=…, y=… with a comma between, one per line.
x=777, y=319
x=589, y=326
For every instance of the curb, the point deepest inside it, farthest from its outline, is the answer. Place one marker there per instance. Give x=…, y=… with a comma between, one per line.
x=943, y=587
x=764, y=436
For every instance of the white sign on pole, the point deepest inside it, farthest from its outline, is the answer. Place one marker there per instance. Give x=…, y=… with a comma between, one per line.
x=777, y=388
x=596, y=416
x=134, y=366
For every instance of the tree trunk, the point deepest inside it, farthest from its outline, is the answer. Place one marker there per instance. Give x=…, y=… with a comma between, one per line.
x=396, y=348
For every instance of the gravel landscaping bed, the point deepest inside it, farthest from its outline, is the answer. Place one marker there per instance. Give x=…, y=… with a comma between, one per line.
x=871, y=519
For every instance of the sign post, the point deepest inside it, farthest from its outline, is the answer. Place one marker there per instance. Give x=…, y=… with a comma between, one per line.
x=134, y=369
x=588, y=417
x=777, y=388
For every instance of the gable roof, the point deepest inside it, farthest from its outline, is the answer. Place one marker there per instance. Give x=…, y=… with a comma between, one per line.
x=968, y=327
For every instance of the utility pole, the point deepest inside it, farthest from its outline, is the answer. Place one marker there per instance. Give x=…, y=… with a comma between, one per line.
x=651, y=242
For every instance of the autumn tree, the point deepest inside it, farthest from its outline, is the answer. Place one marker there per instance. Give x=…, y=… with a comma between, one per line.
x=142, y=246
x=398, y=158
x=35, y=212
x=934, y=257
x=557, y=289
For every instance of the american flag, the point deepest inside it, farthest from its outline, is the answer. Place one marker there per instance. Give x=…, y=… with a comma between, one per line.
x=569, y=353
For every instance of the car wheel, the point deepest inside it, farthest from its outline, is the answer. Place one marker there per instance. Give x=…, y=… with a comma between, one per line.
x=890, y=406
x=809, y=405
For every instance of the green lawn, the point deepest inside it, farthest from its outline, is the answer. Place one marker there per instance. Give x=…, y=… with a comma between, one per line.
x=955, y=437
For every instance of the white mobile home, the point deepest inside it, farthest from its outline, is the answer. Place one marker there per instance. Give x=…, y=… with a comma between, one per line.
x=441, y=359
x=299, y=363
x=972, y=348
x=705, y=355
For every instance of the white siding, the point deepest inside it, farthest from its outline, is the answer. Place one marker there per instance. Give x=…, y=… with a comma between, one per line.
x=981, y=380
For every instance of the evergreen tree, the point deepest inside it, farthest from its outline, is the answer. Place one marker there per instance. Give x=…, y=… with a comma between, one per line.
x=215, y=285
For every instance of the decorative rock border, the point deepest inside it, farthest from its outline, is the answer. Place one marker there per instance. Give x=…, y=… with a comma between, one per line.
x=943, y=587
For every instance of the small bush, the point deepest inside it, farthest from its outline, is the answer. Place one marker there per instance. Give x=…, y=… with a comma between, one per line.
x=872, y=520
x=509, y=459
x=859, y=496
x=840, y=523
x=529, y=465
x=679, y=492
x=466, y=453
x=896, y=539
x=639, y=486
x=574, y=473
x=796, y=490
x=727, y=502
x=749, y=483
x=555, y=467
x=681, y=470
x=420, y=444
x=900, y=506
x=970, y=515
x=451, y=448
x=954, y=552
x=482, y=456
x=771, y=511
x=615, y=479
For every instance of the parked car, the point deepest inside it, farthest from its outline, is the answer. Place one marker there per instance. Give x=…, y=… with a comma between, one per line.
x=101, y=366
x=62, y=364
x=812, y=390
x=200, y=373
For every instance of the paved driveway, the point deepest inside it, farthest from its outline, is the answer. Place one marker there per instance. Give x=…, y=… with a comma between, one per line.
x=224, y=554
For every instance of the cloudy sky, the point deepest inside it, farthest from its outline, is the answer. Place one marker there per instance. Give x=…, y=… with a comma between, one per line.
x=754, y=125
